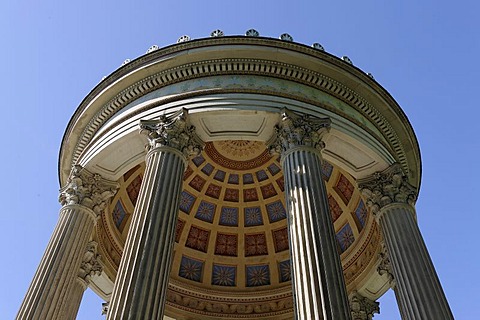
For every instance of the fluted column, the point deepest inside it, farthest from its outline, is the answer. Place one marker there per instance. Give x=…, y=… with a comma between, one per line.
x=362, y=308
x=142, y=279
x=317, y=276
x=84, y=198
x=89, y=267
x=417, y=287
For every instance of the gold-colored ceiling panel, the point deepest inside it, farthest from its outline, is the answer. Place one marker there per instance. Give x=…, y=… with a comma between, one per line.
x=232, y=223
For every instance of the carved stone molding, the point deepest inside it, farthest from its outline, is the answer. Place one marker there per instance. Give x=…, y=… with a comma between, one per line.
x=87, y=189
x=385, y=266
x=240, y=307
x=363, y=308
x=386, y=187
x=91, y=263
x=173, y=131
x=296, y=130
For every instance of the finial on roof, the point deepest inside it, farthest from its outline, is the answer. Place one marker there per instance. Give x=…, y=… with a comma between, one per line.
x=152, y=48
x=217, y=33
x=318, y=46
x=252, y=33
x=286, y=37
x=184, y=38
x=347, y=60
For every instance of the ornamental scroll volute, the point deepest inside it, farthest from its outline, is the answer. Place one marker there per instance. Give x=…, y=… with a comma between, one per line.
x=386, y=187
x=91, y=263
x=172, y=131
x=296, y=130
x=87, y=189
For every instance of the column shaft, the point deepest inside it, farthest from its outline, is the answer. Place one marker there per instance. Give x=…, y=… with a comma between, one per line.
x=418, y=289
x=75, y=299
x=142, y=280
x=318, y=283
x=59, y=266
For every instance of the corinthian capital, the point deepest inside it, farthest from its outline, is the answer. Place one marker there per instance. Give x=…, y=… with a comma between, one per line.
x=87, y=189
x=385, y=187
x=385, y=266
x=362, y=308
x=296, y=130
x=173, y=131
x=90, y=265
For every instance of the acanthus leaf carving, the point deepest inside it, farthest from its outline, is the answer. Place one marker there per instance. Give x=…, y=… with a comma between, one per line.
x=87, y=189
x=386, y=187
x=296, y=130
x=362, y=308
x=172, y=131
x=91, y=263
x=385, y=266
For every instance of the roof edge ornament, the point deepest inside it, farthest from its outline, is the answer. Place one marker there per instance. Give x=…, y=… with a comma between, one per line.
x=318, y=46
x=217, y=33
x=184, y=38
x=286, y=37
x=252, y=33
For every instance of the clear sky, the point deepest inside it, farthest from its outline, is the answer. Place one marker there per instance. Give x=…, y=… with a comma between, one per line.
x=425, y=53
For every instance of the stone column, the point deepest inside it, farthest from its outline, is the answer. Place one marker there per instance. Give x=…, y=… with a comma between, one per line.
x=417, y=287
x=317, y=276
x=142, y=280
x=83, y=199
x=89, y=267
x=362, y=308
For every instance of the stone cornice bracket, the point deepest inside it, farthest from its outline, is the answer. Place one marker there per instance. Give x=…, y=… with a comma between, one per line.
x=87, y=189
x=172, y=131
x=386, y=187
x=363, y=308
x=296, y=131
x=385, y=266
x=91, y=263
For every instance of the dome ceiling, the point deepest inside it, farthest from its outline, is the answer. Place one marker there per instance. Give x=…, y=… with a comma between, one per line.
x=231, y=235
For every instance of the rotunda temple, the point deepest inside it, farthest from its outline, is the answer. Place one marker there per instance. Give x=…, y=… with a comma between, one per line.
x=238, y=177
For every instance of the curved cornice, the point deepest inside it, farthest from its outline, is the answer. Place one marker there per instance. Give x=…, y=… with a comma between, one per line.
x=286, y=60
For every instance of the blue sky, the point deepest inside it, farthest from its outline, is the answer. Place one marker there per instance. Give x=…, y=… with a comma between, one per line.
x=425, y=53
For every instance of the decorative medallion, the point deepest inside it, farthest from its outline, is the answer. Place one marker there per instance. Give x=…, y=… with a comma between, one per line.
x=344, y=188
x=280, y=239
x=257, y=275
x=213, y=190
x=250, y=195
x=247, y=178
x=285, y=271
x=253, y=216
x=191, y=269
x=361, y=214
x=206, y=211
x=255, y=245
x=219, y=175
x=327, y=170
x=186, y=201
x=268, y=191
x=226, y=244
x=345, y=237
x=229, y=216
x=223, y=275
x=197, y=183
x=118, y=214
x=276, y=211
x=198, y=239
x=335, y=210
